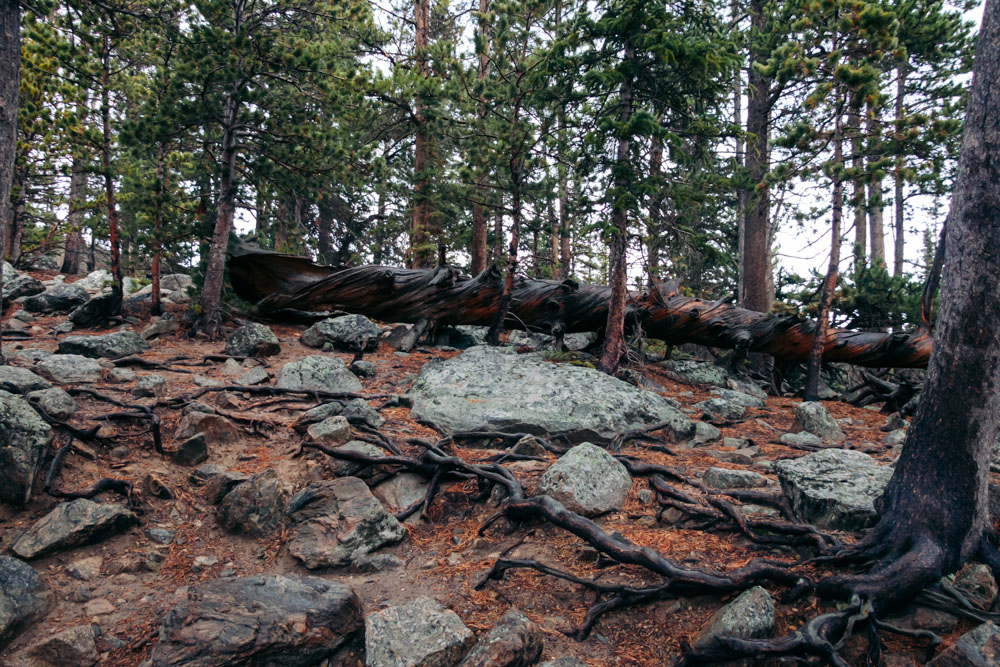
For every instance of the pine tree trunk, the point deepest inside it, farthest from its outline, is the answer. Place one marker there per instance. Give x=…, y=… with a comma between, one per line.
x=479, y=231
x=10, y=77
x=17, y=210
x=900, y=241
x=858, y=196
x=325, y=224
x=614, y=330
x=503, y=307
x=109, y=181
x=811, y=390
x=876, y=205
x=157, y=305
x=74, y=221
x=756, y=269
x=655, y=231
x=423, y=248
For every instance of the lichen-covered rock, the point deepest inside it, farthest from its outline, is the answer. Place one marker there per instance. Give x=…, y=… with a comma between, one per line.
x=363, y=369
x=23, y=439
x=335, y=522
x=73, y=646
x=150, y=386
x=976, y=582
x=342, y=468
x=980, y=647
x=95, y=280
x=22, y=285
x=695, y=372
x=54, y=402
x=73, y=524
x=318, y=373
x=255, y=507
x=723, y=478
x=56, y=299
x=803, y=440
x=20, y=380
x=347, y=332
x=113, y=345
x=70, y=369
x=95, y=311
x=749, y=616
x=356, y=408
x=721, y=408
x=811, y=416
x=834, y=488
x=515, y=641
x=587, y=480
x=420, y=633
x=277, y=620
x=332, y=431
x=496, y=389
x=739, y=398
x=253, y=340
x=23, y=598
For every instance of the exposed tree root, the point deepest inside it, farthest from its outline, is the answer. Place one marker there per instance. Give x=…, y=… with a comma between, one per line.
x=122, y=486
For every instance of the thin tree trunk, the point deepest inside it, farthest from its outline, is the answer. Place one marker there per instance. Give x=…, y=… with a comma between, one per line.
x=876, y=205
x=654, y=233
x=157, y=306
x=479, y=231
x=493, y=335
x=858, y=195
x=743, y=195
x=109, y=181
x=325, y=224
x=423, y=247
x=74, y=232
x=756, y=269
x=614, y=331
x=498, y=232
x=10, y=78
x=811, y=390
x=17, y=208
x=900, y=241
x=550, y=207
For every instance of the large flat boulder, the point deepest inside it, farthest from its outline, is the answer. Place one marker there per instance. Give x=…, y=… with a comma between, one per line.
x=336, y=522
x=317, y=373
x=59, y=298
x=22, y=597
x=23, y=438
x=19, y=380
x=834, y=488
x=496, y=389
x=73, y=524
x=420, y=633
x=261, y=620
x=112, y=345
x=70, y=369
x=347, y=332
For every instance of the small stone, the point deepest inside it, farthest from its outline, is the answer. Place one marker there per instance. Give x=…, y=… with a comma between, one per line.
x=204, y=473
x=121, y=375
x=159, y=326
x=749, y=616
x=420, y=633
x=254, y=376
x=894, y=438
x=161, y=535
x=515, y=640
x=722, y=478
x=204, y=381
x=332, y=431
x=157, y=488
x=69, y=369
x=893, y=422
x=704, y=432
x=154, y=386
x=73, y=646
x=54, y=402
x=587, y=480
x=192, y=451
x=317, y=373
x=736, y=443
x=256, y=507
x=377, y=562
x=529, y=445
x=85, y=569
x=364, y=369
x=803, y=439
x=811, y=416
x=721, y=409
x=979, y=647
x=232, y=367
x=202, y=563
x=646, y=496
x=98, y=607
x=252, y=340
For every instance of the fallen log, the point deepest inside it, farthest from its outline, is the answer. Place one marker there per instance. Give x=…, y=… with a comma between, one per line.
x=443, y=296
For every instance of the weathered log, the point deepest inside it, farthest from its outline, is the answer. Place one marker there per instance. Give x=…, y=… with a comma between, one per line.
x=277, y=282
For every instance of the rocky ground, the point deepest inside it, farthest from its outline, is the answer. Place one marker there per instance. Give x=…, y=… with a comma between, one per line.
x=221, y=532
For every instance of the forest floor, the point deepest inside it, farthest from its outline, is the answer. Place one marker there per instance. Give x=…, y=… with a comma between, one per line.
x=443, y=555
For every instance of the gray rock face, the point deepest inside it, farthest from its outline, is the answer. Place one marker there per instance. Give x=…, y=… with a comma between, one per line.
x=487, y=388
x=192, y=451
x=342, y=468
x=253, y=340
x=151, y=386
x=331, y=431
x=336, y=522
x=587, y=480
x=540, y=341
x=23, y=598
x=355, y=408
x=54, y=401
x=347, y=332
x=57, y=299
x=112, y=345
x=73, y=646
x=73, y=524
x=216, y=428
x=15, y=288
x=515, y=641
x=275, y=620
x=739, y=398
x=749, y=616
x=420, y=633
x=721, y=408
x=834, y=488
x=722, y=478
x=402, y=491
x=23, y=439
x=695, y=372
x=316, y=372
x=95, y=280
x=813, y=417
x=70, y=369
x=803, y=439
x=256, y=507
x=20, y=380
x=979, y=647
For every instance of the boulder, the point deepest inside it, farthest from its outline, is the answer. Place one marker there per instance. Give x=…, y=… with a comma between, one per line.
x=113, y=345
x=252, y=340
x=739, y=398
x=356, y=408
x=332, y=431
x=150, y=386
x=335, y=522
x=73, y=524
x=587, y=480
x=812, y=417
x=73, y=646
x=515, y=641
x=980, y=647
x=420, y=633
x=175, y=282
x=496, y=389
x=721, y=408
x=282, y=620
x=96, y=310
x=191, y=452
x=342, y=468
x=723, y=478
x=695, y=372
x=363, y=369
x=20, y=380
x=803, y=440
x=23, y=598
x=255, y=375
x=20, y=286
x=539, y=341
x=704, y=433
x=318, y=373
x=70, y=369
x=256, y=507
x=95, y=280
x=24, y=437
x=400, y=492
x=834, y=488
x=347, y=332
x=57, y=299
x=159, y=326
x=976, y=582
x=216, y=428
x=221, y=483
x=749, y=616
x=54, y=402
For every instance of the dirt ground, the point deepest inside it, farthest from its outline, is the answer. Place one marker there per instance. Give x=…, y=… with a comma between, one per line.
x=444, y=556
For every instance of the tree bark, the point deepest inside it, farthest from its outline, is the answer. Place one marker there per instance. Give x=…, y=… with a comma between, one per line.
x=109, y=180
x=157, y=305
x=876, y=205
x=479, y=235
x=614, y=330
x=858, y=196
x=77, y=203
x=10, y=81
x=423, y=248
x=756, y=269
x=898, y=185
